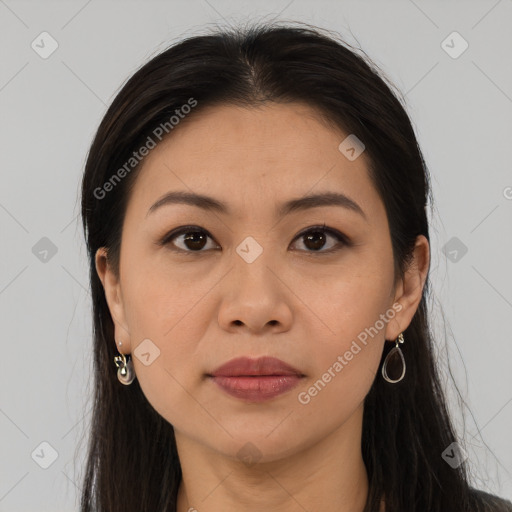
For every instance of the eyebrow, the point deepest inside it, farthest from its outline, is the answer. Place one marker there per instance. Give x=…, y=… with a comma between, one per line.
x=211, y=204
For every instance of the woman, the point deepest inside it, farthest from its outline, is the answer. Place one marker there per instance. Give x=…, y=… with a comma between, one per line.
x=254, y=206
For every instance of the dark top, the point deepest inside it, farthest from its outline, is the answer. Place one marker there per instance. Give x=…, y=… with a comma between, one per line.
x=491, y=502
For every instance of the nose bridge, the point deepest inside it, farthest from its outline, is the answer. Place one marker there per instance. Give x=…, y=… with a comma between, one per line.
x=254, y=296
x=253, y=259
x=255, y=278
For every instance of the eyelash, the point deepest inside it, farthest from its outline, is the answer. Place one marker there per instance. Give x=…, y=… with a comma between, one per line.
x=342, y=239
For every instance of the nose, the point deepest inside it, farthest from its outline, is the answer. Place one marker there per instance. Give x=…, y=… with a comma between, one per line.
x=255, y=298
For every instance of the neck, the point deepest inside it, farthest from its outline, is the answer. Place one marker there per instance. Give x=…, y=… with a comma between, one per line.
x=327, y=475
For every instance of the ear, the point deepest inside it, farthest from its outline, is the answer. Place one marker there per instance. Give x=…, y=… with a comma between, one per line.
x=114, y=300
x=410, y=289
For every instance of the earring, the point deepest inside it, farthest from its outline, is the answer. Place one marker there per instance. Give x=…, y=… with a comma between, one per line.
x=125, y=371
x=394, y=363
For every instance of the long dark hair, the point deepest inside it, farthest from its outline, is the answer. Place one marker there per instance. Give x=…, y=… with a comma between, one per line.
x=132, y=463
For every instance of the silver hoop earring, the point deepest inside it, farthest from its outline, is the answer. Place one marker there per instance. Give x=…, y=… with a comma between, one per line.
x=125, y=371
x=393, y=369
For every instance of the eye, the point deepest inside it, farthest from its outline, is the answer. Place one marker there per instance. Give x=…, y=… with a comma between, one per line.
x=195, y=239
x=315, y=239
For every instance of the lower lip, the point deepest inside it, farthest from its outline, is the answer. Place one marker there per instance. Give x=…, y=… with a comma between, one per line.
x=257, y=389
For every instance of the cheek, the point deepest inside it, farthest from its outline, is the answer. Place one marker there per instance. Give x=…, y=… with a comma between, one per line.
x=356, y=305
x=157, y=295
x=344, y=373
x=171, y=375
x=356, y=308
x=160, y=316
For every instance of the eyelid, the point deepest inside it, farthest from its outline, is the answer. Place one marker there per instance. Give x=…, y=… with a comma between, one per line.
x=330, y=231
x=183, y=230
x=342, y=239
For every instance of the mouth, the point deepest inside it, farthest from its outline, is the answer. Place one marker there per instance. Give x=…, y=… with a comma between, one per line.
x=256, y=380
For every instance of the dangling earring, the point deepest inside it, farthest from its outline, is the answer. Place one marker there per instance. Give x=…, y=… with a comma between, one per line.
x=394, y=363
x=125, y=371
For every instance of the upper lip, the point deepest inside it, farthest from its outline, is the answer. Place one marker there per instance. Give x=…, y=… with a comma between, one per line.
x=242, y=366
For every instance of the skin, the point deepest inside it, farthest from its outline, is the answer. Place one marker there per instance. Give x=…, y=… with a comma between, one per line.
x=302, y=306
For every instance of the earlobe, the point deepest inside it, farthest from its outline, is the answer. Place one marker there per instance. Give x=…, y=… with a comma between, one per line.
x=113, y=297
x=410, y=290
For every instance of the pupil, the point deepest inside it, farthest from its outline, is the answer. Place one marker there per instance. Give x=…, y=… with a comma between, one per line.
x=189, y=239
x=320, y=239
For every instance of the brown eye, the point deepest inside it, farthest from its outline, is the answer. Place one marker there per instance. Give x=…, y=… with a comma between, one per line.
x=192, y=239
x=316, y=239
x=195, y=240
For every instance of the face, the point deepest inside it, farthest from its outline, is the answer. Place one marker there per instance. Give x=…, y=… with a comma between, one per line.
x=200, y=286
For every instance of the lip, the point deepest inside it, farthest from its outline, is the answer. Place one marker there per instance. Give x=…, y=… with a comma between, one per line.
x=256, y=380
x=246, y=366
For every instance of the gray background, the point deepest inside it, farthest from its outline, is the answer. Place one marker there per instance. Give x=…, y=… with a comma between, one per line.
x=462, y=111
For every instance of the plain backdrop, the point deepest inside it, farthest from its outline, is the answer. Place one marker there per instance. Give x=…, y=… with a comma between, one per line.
x=460, y=102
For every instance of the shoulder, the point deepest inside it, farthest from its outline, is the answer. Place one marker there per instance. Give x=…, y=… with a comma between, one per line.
x=485, y=502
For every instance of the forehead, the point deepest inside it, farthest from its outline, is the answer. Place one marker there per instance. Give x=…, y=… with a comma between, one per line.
x=253, y=156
